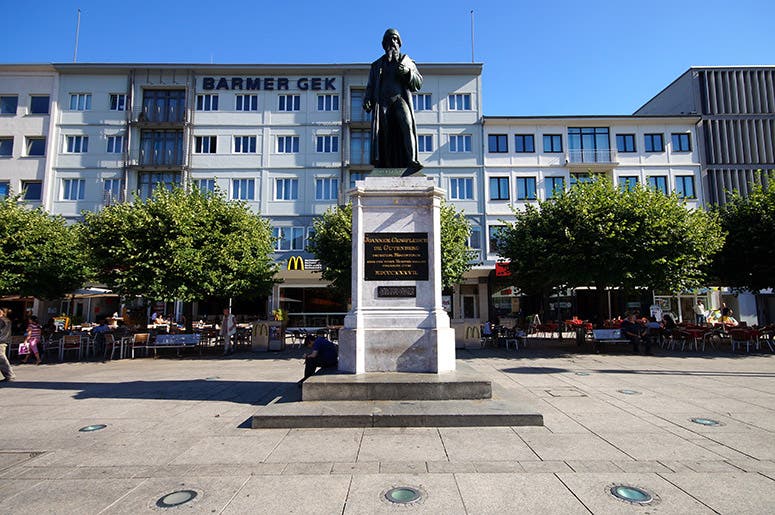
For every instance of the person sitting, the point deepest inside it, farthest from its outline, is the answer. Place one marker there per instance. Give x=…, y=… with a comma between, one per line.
x=324, y=354
x=99, y=335
x=633, y=332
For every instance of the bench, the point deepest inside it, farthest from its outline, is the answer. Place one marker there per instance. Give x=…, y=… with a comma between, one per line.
x=176, y=341
x=604, y=336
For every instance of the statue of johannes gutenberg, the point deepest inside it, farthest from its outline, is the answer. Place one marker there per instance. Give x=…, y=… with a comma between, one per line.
x=392, y=80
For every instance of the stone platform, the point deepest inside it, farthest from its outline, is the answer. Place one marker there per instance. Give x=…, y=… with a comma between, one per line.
x=452, y=399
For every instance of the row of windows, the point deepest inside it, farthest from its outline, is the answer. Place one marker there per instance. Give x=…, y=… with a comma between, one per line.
x=9, y=104
x=526, y=186
x=552, y=143
x=34, y=146
x=31, y=190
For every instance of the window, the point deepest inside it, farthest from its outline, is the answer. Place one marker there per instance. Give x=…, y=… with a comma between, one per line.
x=288, y=238
x=326, y=188
x=39, y=104
x=115, y=144
x=207, y=102
x=147, y=182
x=243, y=189
x=555, y=186
x=524, y=144
x=625, y=142
x=628, y=183
x=580, y=178
x=161, y=148
x=494, y=236
x=244, y=144
x=461, y=188
x=6, y=146
x=36, y=146
x=33, y=190
x=357, y=114
x=164, y=105
x=8, y=104
x=497, y=143
x=328, y=102
x=475, y=237
x=654, y=143
x=659, y=183
x=289, y=103
x=552, y=143
x=526, y=188
x=357, y=176
x=72, y=189
x=324, y=144
x=460, y=102
x=207, y=144
x=113, y=191
x=77, y=144
x=422, y=102
x=684, y=186
x=286, y=189
x=287, y=144
x=360, y=147
x=205, y=185
x=247, y=103
x=681, y=142
x=460, y=143
x=589, y=145
x=80, y=101
x=5, y=189
x=425, y=143
x=117, y=102
x=499, y=188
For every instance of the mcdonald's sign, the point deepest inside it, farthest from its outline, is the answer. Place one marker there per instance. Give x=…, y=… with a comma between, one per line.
x=262, y=329
x=295, y=263
x=472, y=332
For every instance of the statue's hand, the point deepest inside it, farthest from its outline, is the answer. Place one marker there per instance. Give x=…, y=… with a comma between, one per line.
x=367, y=105
x=403, y=69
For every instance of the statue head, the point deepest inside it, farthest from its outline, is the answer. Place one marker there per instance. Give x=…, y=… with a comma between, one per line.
x=386, y=39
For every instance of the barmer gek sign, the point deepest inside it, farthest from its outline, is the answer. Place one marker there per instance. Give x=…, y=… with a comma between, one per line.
x=269, y=83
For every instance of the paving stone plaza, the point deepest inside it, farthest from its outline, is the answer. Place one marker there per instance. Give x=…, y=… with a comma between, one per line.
x=184, y=425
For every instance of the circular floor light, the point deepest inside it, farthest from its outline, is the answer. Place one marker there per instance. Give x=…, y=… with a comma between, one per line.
x=582, y=373
x=176, y=498
x=93, y=427
x=706, y=422
x=631, y=494
x=214, y=378
x=628, y=392
x=403, y=495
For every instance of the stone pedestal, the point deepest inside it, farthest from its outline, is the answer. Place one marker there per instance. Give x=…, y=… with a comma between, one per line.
x=396, y=323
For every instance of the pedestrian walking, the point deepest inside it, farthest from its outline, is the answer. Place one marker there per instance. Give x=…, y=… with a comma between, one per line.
x=5, y=341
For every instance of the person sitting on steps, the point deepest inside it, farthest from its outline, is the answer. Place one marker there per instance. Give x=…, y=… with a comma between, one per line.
x=324, y=354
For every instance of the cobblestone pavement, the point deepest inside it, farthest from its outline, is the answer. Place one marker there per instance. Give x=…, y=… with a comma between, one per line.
x=183, y=424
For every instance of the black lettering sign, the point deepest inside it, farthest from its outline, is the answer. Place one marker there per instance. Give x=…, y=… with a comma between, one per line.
x=208, y=83
x=396, y=291
x=303, y=83
x=316, y=84
x=396, y=256
x=222, y=83
x=282, y=83
x=268, y=84
x=252, y=83
x=330, y=84
x=236, y=83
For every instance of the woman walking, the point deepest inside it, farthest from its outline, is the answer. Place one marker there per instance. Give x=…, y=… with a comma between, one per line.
x=32, y=338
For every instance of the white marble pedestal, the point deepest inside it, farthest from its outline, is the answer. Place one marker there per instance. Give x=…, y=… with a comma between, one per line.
x=396, y=323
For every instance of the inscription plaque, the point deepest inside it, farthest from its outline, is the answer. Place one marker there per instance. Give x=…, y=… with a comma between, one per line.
x=396, y=256
x=396, y=291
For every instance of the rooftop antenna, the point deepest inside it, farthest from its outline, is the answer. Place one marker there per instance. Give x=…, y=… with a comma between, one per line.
x=77, y=31
x=472, y=35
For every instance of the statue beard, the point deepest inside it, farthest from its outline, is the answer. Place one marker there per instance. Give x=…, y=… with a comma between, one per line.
x=392, y=53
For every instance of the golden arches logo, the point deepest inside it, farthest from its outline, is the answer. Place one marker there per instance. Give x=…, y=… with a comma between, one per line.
x=472, y=332
x=295, y=263
x=262, y=329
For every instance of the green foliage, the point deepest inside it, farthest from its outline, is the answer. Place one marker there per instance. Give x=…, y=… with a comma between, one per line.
x=597, y=234
x=747, y=260
x=181, y=245
x=40, y=254
x=332, y=245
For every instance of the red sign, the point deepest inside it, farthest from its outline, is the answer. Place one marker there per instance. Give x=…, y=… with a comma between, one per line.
x=502, y=269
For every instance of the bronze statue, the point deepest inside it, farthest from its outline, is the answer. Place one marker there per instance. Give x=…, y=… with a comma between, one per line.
x=392, y=80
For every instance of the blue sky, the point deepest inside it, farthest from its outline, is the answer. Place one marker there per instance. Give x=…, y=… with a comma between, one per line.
x=540, y=57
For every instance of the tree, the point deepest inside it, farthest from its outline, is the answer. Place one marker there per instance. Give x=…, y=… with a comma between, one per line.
x=599, y=235
x=747, y=259
x=332, y=245
x=181, y=245
x=40, y=255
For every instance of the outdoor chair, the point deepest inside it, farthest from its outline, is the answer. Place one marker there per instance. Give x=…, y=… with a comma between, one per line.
x=70, y=343
x=139, y=341
x=110, y=343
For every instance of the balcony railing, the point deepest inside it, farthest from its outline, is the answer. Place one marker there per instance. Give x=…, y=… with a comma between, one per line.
x=171, y=114
x=474, y=256
x=578, y=156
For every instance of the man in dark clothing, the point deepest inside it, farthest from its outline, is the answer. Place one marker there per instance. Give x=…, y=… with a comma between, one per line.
x=633, y=332
x=392, y=80
x=324, y=354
